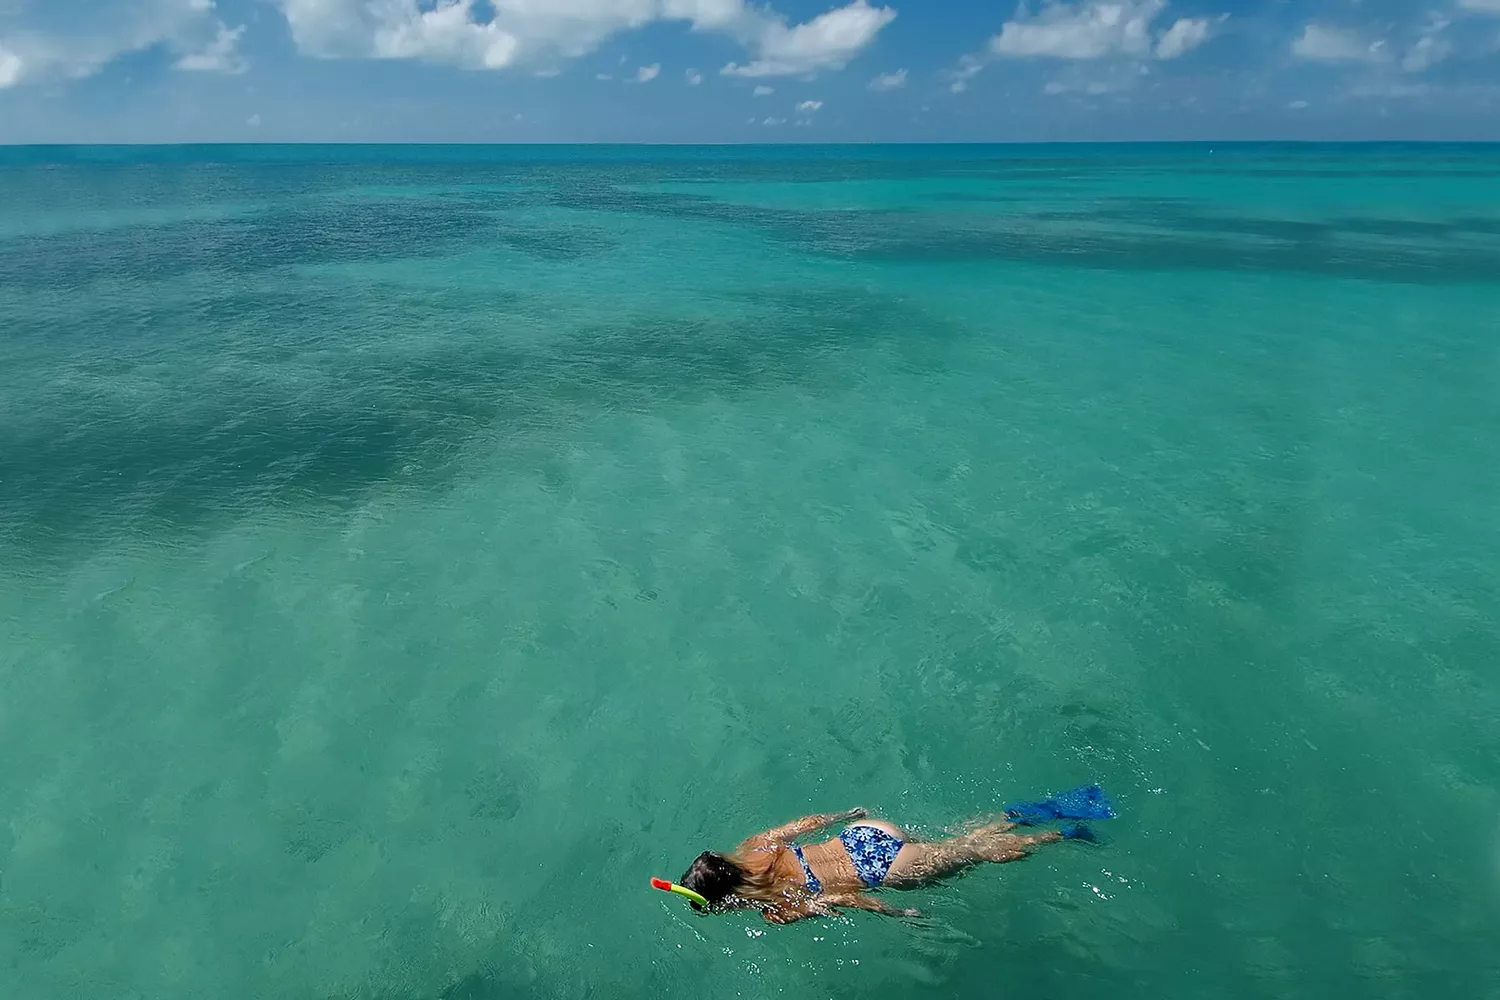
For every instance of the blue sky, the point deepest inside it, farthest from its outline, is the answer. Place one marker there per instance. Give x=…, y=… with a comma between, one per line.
x=741, y=71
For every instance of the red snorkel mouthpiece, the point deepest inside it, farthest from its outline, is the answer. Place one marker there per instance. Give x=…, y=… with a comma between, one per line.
x=681, y=890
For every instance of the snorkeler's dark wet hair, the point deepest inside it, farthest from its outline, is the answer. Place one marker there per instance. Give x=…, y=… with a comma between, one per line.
x=712, y=876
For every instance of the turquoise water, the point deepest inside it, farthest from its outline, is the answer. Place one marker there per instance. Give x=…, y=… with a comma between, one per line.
x=407, y=552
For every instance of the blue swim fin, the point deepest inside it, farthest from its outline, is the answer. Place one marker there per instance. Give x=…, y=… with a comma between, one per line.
x=1088, y=802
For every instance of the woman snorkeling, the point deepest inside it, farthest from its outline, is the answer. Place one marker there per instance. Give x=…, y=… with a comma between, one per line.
x=788, y=881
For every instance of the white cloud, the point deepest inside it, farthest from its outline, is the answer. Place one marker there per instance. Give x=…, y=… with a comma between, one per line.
x=253, y=121
x=1098, y=79
x=1095, y=29
x=889, y=81
x=499, y=33
x=1088, y=30
x=71, y=39
x=762, y=90
x=1483, y=6
x=707, y=15
x=11, y=68
x=1184, y=36
x=1428, y=51
x=774, y=121
x=1093, y=88
x=693, y=77
x=968, y=68
x=1383, y=90
x=548, y=73
x=604, y=76
x=648, y=73
x=808, y=107
x=1430, y=48
x=1324, y=44
x=219, y=55
x=828, y=41
x=443, y=33
x=1299, y=105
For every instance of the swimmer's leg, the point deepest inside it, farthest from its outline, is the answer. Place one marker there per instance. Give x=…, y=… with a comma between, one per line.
x=921, y=862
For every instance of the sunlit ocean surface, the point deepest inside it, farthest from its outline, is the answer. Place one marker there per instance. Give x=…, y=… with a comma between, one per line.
x=405, y=553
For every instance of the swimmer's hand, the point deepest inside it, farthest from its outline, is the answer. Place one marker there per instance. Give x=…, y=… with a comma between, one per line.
x=782, y=915
x=858, y=812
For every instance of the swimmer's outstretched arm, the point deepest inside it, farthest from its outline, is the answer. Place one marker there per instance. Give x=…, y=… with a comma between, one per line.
x=822, y=905
x=859, y=901
x=788, y=832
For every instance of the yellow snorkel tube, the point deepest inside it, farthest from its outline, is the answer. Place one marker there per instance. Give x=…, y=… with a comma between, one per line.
x=681, y=890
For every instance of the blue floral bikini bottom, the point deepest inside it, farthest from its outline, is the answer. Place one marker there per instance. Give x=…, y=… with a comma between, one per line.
x=872, y=850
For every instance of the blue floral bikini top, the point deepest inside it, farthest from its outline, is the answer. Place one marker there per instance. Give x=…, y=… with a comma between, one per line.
x=814, y=884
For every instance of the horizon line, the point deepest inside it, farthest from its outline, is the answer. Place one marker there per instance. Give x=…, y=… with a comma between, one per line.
x=730, y=144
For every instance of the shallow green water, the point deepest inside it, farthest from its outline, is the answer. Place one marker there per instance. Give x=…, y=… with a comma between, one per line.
x=406, y=553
